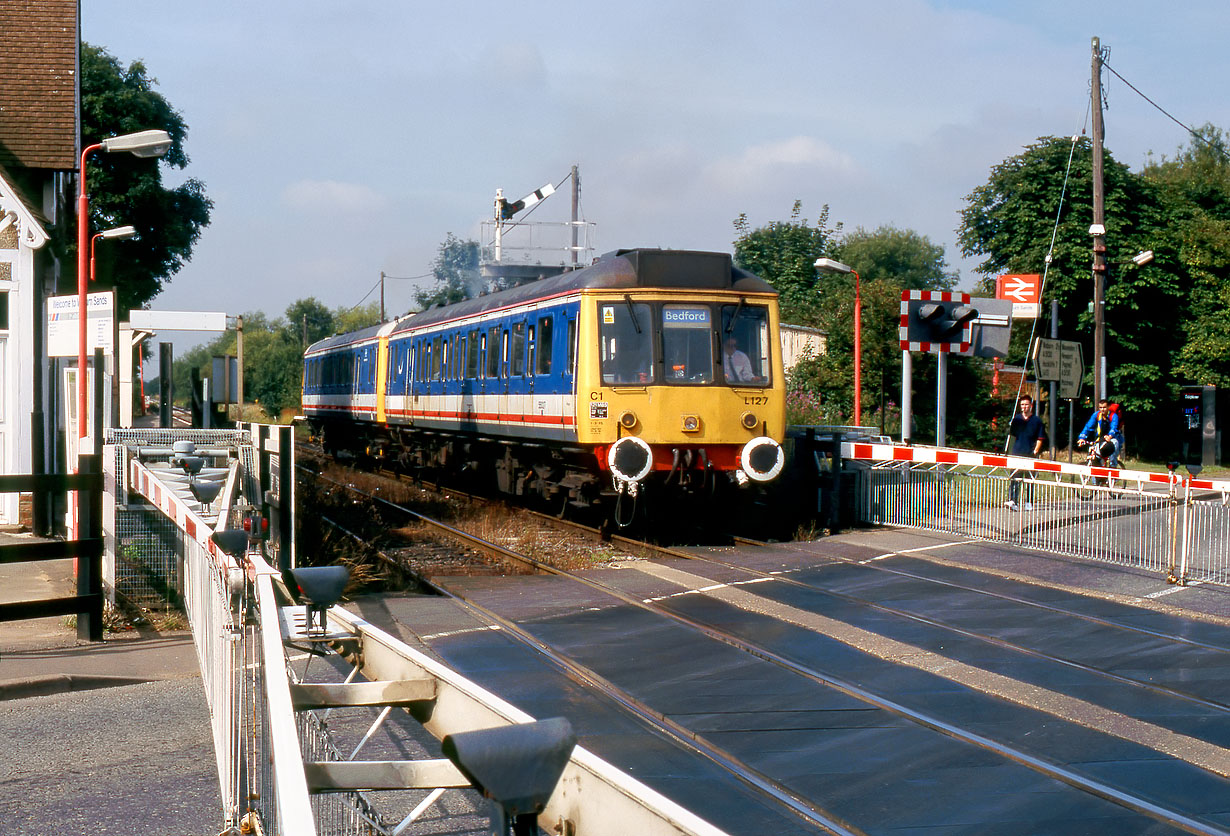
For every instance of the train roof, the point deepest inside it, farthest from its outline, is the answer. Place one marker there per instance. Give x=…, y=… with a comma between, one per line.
x=620, y=269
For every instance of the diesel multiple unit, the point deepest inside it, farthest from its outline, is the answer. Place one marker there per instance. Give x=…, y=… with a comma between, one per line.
x=649, y=371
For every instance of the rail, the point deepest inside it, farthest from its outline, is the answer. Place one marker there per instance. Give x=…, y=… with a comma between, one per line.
x=1161, y=522
x=280, y=771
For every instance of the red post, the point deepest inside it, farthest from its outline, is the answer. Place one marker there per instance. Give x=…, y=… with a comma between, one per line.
x=83, y=267
x=858, y=352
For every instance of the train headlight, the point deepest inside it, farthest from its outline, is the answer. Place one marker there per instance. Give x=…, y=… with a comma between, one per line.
x=627, y=420
x=762, y=459
x=630, y=459
x=749, y=421
x=691, y=424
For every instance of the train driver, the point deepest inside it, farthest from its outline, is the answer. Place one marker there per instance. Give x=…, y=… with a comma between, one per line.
x=736, y=364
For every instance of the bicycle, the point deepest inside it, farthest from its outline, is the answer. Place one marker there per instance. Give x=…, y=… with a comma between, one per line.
x=1098, y=455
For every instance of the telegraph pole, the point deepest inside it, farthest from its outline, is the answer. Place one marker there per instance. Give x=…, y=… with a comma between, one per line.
x=1098, y=231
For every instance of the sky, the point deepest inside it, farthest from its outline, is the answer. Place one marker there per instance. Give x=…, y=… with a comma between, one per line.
x=342, y=139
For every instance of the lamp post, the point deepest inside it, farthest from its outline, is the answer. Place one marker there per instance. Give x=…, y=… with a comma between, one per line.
x=142, y=144
x=1099, y=317
x=118, y=233
x=829, y=265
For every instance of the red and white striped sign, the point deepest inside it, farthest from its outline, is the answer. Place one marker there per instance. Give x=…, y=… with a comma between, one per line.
x=915, y=296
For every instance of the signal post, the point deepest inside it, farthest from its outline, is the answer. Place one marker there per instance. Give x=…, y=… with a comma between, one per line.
x=936, y=322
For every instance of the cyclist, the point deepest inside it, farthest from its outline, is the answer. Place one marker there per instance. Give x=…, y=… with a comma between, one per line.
x=1103, y=424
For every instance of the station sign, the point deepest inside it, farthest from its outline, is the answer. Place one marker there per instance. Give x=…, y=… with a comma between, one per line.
x=63, y=330
x=1024, y=290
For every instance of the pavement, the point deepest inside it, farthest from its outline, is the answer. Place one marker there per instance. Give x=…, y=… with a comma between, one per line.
x=43, y=656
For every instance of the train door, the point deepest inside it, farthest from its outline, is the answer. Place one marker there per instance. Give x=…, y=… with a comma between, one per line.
x=434, y=386
x=471, y=380
x=505, y=368
x=517, y=381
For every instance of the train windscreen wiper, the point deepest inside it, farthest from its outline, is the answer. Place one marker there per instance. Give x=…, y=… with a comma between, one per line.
x=632, y=313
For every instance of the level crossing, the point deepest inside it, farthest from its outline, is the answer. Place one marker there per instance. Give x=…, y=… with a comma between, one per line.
x=243, y=626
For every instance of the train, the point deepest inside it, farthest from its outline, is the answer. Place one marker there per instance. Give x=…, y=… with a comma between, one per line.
x=649, y=375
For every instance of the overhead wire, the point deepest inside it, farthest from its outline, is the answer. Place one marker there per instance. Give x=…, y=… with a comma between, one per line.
x=1192, y=132
x=1046, y=267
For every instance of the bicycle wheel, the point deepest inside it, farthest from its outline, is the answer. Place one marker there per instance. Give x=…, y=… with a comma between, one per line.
x=1085, y=492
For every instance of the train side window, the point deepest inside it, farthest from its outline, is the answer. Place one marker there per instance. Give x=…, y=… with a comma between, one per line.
x=518, y=349
x=572, y=347
x=472, y=355
x=745, y=345
x=504, y=353
x=627, y=343
x=493, y=352
x=543, y=360
x=435, y=358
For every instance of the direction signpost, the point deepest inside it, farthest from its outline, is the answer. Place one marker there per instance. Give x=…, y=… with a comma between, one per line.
x=1071, y=370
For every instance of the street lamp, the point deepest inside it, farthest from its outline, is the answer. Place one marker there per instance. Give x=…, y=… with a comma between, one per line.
x=1099, y=315
x=832, y=266
x=119, y=233
x=142, y=144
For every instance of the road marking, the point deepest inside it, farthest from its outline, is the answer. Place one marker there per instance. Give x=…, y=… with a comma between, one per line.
x=1183, y=747
x=1171, y=590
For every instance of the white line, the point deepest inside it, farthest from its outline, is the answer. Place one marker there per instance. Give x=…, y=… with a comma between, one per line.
x=1183, y=747
x=1171, y=590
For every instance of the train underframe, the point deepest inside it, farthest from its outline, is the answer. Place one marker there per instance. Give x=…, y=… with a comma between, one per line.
x=563, y=479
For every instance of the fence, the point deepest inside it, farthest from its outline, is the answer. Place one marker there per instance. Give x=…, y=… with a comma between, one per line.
x=87, y=604
x=1158, y=522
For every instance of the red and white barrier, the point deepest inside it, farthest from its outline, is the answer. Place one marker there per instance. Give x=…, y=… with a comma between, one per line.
x=942, y=455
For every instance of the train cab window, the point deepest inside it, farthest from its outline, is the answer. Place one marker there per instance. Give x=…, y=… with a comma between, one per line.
x=745, y=345
x=472, y=356
x=518, y=349
x=627, y=343
x=687, y=343
x=542, y=363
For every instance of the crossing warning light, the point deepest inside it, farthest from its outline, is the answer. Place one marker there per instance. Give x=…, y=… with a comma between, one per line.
x=936, y=321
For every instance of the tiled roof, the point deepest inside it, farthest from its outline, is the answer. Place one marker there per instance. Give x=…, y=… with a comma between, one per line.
x=38, y=84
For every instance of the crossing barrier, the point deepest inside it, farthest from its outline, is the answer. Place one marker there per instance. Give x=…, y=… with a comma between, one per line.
x=1161, y=522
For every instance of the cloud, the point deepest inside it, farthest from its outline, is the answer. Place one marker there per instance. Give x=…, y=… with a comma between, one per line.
x=349, y=198
x=767, y=163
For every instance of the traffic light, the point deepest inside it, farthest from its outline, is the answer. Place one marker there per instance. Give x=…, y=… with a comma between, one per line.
x=936, y=321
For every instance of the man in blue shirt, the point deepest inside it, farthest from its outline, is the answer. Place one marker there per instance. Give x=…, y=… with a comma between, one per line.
x=1103, y=424
x=1028, y=438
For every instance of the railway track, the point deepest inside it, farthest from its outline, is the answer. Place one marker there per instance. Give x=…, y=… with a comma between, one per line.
x=944, y=642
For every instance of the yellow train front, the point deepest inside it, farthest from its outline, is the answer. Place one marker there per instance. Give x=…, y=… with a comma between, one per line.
x=679, y=378
x=644, y=379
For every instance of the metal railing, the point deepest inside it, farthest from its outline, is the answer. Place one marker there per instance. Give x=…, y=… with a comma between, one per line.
x=1159, y=523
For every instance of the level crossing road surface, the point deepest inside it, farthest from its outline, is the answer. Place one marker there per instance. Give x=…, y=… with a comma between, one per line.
x=885, y=681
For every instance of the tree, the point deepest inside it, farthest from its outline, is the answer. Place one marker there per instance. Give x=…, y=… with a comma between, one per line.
x=1011, y=219
x=456, y=272
x=346, y=320
x=309, y=321
x=784, y=254
x=126, y=190
x=1195, y=189
x=902, y=255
